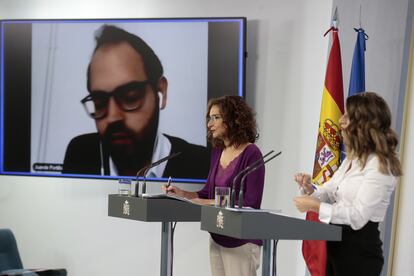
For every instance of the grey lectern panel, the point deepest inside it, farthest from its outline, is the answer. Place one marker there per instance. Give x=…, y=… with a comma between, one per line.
x=152, y=209
x=264, y=225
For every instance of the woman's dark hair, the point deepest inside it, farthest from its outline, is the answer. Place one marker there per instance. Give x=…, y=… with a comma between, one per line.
x=109, y=34
x=369, y=131
x=239, y=119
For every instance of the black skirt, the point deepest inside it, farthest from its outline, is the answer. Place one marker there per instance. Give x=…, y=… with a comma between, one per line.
x=359, y=252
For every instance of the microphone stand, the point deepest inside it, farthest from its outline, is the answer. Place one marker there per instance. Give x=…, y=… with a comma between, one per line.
x=233, y=189
x=243, y=180
x=144, y=183
x=137, y=179
x=147, y=168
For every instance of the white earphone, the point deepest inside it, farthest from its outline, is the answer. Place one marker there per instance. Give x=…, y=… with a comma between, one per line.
x=160, y=98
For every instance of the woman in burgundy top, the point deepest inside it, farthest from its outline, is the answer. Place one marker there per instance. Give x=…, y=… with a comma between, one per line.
x=232, y=132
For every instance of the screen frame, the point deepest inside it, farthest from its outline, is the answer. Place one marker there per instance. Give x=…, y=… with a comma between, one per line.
x=241, y=80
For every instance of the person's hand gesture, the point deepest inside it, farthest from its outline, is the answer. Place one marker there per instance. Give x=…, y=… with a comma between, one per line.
x=172, y=190
x=307, y=203
x=304, y=181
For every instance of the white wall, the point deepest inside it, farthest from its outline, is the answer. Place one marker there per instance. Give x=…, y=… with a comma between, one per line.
x=404, y=221
x=63, y=222
x=384, y=48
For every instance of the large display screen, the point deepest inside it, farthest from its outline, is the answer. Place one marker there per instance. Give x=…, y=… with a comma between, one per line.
x=105, y=98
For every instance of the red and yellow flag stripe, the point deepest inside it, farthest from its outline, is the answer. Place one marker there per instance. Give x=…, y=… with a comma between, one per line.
x=328, y=147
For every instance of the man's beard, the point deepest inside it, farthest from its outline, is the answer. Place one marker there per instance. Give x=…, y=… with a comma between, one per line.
x=136, y=150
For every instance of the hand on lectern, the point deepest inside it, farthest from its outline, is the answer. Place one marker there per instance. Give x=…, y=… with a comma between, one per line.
x=173, y=190
x=203, y=201
x=168, y=189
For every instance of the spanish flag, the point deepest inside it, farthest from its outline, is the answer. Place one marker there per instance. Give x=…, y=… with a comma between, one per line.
x=328, y=147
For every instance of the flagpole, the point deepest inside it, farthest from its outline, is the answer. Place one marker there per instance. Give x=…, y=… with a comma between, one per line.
x=335, y=20
x=328, y=145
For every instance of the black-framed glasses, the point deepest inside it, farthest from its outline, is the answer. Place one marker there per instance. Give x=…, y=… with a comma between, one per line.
x=128, y=97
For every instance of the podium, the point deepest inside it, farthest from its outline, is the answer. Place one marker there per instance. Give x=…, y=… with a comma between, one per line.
x=164, y=210
x=267, y=226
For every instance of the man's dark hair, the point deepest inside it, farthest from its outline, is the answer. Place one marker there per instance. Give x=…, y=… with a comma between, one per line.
x=109, y=34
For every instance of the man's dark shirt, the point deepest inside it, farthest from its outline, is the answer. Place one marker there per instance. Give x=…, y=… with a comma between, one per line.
x=83, y=156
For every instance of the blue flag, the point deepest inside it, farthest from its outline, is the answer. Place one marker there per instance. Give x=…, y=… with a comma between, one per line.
x=357, y=81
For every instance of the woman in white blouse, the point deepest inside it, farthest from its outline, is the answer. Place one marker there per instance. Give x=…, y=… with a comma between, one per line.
x=358, y=194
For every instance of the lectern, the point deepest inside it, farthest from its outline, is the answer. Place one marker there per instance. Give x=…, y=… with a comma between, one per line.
x=264, y=225
x=164, y=210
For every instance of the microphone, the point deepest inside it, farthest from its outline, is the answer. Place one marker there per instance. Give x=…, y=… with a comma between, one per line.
x=243, y=180
x=137, y=177
x=148, y=167
x=233, y=189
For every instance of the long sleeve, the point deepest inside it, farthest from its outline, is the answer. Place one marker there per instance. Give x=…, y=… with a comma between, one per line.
x=253, y=189
x=203, y=193
x=361, y=196
x=206, y=191
x=326, y=192
x=254, y=182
